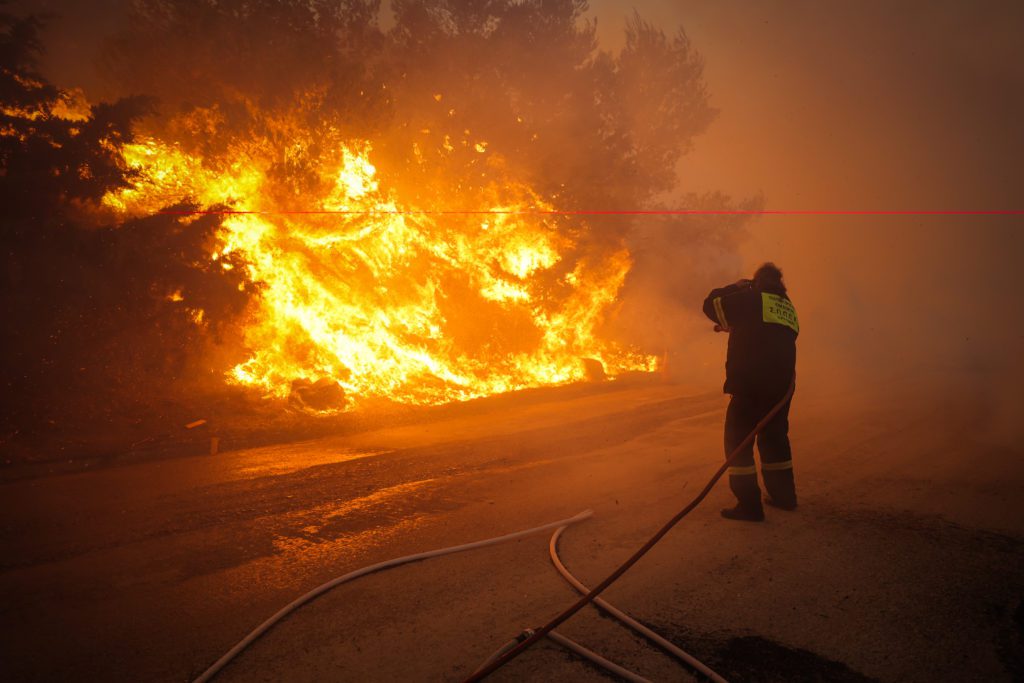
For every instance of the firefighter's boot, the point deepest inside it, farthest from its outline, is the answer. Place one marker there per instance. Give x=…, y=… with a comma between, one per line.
x=788, y=505
x=744, y=514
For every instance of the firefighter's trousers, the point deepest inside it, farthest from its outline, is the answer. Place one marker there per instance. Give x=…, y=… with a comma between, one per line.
x=745, y=411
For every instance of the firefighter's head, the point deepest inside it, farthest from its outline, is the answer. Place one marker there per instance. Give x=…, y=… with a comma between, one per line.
x=769, y=278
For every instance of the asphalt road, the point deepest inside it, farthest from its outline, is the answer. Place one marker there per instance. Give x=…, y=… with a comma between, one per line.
x=903, y=563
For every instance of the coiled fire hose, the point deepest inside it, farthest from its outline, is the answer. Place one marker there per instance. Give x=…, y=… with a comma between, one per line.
x=544, y=630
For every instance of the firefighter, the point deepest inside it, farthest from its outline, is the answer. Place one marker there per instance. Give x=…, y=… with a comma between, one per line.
x=762, y=326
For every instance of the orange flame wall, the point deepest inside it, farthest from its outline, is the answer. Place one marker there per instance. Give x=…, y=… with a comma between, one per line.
x=388, y=302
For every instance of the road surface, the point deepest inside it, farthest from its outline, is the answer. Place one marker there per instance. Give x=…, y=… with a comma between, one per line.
x=904, y=561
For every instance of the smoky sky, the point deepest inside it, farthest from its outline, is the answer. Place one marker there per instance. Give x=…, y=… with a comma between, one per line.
x=854, y=105
x=871, y=106
x=839, y=105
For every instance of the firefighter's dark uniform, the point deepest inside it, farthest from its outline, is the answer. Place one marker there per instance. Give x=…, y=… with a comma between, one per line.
x=759, y=366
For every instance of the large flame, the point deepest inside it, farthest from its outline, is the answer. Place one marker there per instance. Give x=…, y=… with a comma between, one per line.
x=389, y=300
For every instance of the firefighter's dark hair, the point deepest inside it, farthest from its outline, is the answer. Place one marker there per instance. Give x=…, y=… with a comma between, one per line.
x=769, y=277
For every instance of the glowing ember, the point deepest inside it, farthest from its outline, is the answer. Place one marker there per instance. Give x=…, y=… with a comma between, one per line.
x=387, y=302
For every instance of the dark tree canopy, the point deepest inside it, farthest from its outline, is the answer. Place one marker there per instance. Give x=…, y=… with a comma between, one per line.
x=89, y=316
x=593, y=128
x=122, y=315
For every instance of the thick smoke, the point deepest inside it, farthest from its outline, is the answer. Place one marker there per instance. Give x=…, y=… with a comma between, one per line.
x=841, y=106
x=151, y=330
x=850, y=105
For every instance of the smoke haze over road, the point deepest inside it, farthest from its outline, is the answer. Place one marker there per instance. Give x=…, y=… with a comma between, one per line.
x=842, y=105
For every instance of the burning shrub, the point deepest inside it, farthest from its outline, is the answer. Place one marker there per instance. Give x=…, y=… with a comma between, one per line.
x=400, y=204
x=445, y=148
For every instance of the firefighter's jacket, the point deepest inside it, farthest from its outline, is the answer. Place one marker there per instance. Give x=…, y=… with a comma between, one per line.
x=762, y=327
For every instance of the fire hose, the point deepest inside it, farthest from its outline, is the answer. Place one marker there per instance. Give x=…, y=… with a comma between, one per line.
x=610, y=609
x=544, y=630
x=324, y=587
x=665, y=645
x=514, y=648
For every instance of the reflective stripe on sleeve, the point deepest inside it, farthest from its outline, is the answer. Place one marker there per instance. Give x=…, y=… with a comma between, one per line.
x=720, y=312
x=770, y=466
x=741, y=471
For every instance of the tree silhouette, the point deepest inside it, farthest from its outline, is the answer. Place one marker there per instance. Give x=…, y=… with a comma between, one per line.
x=102, y=316
x=88, y=318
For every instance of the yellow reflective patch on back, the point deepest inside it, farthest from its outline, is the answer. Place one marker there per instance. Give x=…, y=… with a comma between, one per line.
x=779, y=310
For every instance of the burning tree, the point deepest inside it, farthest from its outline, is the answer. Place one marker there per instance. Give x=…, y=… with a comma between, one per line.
x=387, y=211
